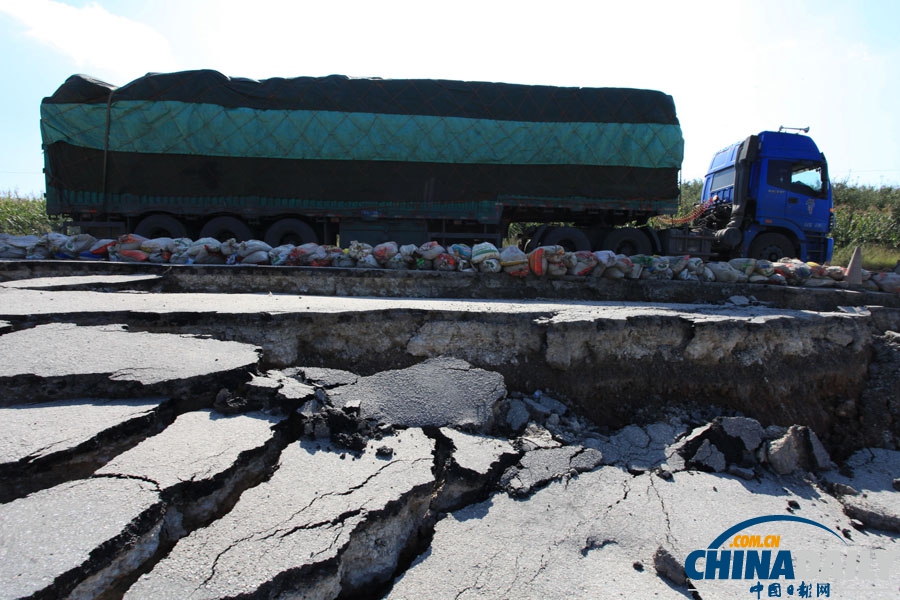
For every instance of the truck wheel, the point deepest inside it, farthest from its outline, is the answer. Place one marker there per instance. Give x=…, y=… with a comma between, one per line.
x=772, y=247
x=224, y=228
x=569, y=238
x=290, y=231
x=628, y=241
x=157, y=226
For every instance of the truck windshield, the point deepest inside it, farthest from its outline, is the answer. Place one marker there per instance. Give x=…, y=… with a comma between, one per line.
x=802, y=177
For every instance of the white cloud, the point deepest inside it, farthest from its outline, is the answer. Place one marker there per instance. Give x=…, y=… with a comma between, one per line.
x=106, y=45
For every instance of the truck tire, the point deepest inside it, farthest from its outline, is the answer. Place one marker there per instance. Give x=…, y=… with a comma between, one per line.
x=223, y=228
x=290, y=231
x=772, y=247
x=628, y=241
x=570, y=238
x=157, y=226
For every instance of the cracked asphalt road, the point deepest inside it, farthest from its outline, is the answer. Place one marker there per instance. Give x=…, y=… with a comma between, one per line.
x=214, y=473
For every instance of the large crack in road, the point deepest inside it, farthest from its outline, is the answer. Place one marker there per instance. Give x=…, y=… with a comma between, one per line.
x=152, y=456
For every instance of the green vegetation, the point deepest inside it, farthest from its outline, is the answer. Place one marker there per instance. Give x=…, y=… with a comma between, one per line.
x=868, y=217
x=23, y=215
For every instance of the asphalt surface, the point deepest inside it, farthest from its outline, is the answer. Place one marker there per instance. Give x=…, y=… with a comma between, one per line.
x=254, y=445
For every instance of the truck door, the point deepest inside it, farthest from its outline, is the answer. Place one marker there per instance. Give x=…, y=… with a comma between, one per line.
x=804, y=189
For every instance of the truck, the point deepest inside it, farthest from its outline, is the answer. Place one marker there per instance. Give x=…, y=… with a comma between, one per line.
x=769, y=196
x=334, y=159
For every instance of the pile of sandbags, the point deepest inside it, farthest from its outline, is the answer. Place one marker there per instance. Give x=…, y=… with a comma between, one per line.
x=545, y=261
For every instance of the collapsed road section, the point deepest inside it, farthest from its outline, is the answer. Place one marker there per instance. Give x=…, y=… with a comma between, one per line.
x=273, y=446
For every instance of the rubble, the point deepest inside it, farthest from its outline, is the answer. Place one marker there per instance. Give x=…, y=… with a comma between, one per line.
x=407, y=397
x=798, y=449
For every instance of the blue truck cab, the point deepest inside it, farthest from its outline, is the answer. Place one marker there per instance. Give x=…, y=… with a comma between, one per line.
x=769, y=197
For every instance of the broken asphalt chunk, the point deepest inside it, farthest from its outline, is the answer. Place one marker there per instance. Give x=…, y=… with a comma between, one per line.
x=62, y=360
x=199, y=460
x=78, y=538
x=440, y=392
x=42, y=445
x=538, y=467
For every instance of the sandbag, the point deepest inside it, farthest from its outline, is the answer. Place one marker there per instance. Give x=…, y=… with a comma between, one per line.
x=887, y=282
x=260, y=257
x=466, y=266
x=319, y=257
x=358, y=250
x=279, y=255
x=163, y=244
x=409, y=253
x=367, y=262
x=511, y=256
x=695, y=265
x=75, y=245
x=332, y=254
x=304, y=254
x=489, y=265
x=398, y=261
x=343, y=260
x=725, y=273
x=585, y=263
x=678, y=263
x=461, y=251
x=445, y=262
x=537, y=262
x=556, y=269
x=744, y=265
x=794, y=271
x=249, y=247
x=133, y=256
x=623, y=263
x=606, y=258
x=764, y=267
x=614, y=273
x=385, y=251
x=835, y=272
x=430, y=250
x=205, y=251
x=517, y=269
x=554, y=254
x=484, y=251
x=16, y=246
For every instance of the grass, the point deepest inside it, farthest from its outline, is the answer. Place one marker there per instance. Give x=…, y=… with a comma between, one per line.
x=24, y=215
x=874, y=257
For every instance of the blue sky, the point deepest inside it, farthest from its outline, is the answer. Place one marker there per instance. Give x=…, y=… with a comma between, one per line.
x=734, y=68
